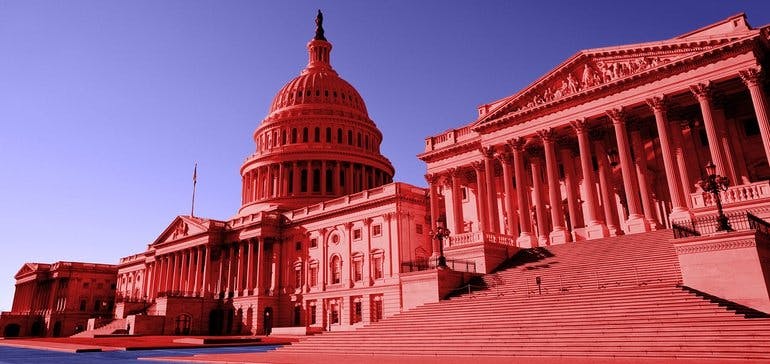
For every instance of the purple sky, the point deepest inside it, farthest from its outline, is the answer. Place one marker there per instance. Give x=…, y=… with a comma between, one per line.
x=105, y=106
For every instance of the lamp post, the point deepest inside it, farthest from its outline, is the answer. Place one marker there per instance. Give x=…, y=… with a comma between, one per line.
x=440, y=232
x=613, y=157
x=714, y=184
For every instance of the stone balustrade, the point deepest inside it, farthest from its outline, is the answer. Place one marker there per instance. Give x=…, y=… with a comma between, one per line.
x=734, y=194
x=479, y=237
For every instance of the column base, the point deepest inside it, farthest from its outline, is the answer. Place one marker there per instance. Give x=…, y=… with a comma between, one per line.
x=637, y=224
x=526, y=241
x=680, y=214
x=596, y=230
x=614, y=230
x=559, y=236
x=543, y=240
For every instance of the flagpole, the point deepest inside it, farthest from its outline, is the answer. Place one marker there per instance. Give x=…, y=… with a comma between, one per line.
x=195, y=182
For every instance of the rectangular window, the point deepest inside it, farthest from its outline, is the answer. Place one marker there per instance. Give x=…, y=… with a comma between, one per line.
x=356, y=234
x=314, y=276
x=377, y=230
x=83, y=305
x=377, y=266
x=376, y=308
x=358, y=268
x=298, y=245
x=357, y=315
x=313, y=243
x=311, y=308
x=335, y=313
x=464, y=192
x=751, y=127
x=419, y=229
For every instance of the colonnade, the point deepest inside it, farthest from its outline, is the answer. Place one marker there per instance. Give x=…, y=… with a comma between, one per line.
x=306, y=178
x=590, y=212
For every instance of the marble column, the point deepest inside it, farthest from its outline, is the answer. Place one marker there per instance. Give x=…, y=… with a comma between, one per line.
x=238, y=284
x=636, y=223
x=751, y=77
x=432, y=180
x=205, y=275
x=537, y=195
x=260, y=290
x=336, y=179
x=640, y=162
x=275, y=266
x=511, y=223
x=481, y=199
x=323, y=177
x=681, y=163
x=489, y=167
x=249, y=268
x=595, y=228
x=703, y=93
x=605, y=184
x=198, y=268
x=679, y=208
x=558, y=234
x=457, y=200
x=526, y=239
x=296, y=179
x=570, y=186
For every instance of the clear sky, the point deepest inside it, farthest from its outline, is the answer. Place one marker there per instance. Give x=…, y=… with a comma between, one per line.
x=106, y=105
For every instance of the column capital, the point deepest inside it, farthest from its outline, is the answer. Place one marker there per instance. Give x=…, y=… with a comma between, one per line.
x=478, y=166
x=504, y=157
x=547, y=135
x=431, y=178
x=580, y=125
x=657, y=103
x=617, y=115
x=702, y=91
x=455, y=172
x=387, y=216
x=488, y=151
x=517, y=144
x=348, y=226
x=535, y=151
x=751, y=76
x=367, y=221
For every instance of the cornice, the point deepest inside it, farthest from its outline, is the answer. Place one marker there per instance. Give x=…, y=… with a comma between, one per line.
x=715, y=246
x=454, y=149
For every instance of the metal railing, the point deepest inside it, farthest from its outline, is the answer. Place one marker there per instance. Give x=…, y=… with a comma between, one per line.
x=432, y=263
x=704, y=225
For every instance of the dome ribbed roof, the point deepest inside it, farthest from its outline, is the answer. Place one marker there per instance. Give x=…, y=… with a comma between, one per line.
x=319, y=85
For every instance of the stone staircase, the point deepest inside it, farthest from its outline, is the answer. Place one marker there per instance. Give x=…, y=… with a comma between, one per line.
x=617, y=297
x=116, y=326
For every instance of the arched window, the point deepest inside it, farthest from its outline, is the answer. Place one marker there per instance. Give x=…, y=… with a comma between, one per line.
x=293, y=135
x=303, y=181
x=366, y=141
x=359, y=140
x=283, y=137
x=339, y=136
x=328, y=135
x=291, y=181
x=329, y=187
x=317, y=180
x=317, y=135
x=350, y=137
x=304, y=135
x=336, y=269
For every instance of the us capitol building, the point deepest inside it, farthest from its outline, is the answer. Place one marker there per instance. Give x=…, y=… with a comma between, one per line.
x=611, y=142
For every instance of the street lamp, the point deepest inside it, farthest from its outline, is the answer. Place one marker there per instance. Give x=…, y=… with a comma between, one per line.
x=714, y=184
x=440, y=232
x=613, y=157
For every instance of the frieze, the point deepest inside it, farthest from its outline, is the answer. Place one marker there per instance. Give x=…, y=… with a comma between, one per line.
x=715, y=246
x=504, y=116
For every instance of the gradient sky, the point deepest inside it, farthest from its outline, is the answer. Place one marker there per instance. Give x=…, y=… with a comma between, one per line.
x=106, y=105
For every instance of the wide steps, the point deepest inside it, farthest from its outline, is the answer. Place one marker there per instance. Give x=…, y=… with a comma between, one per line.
x=615, y=297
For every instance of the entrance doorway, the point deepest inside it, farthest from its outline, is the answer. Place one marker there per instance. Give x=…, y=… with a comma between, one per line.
x=267, y=320
x=12, y=330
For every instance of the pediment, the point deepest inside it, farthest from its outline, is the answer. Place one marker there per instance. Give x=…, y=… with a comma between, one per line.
x=182, y=227
x=601, y=67
x=30, y=268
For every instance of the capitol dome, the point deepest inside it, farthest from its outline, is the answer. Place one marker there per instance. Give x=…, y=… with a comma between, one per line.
x=316, y=143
